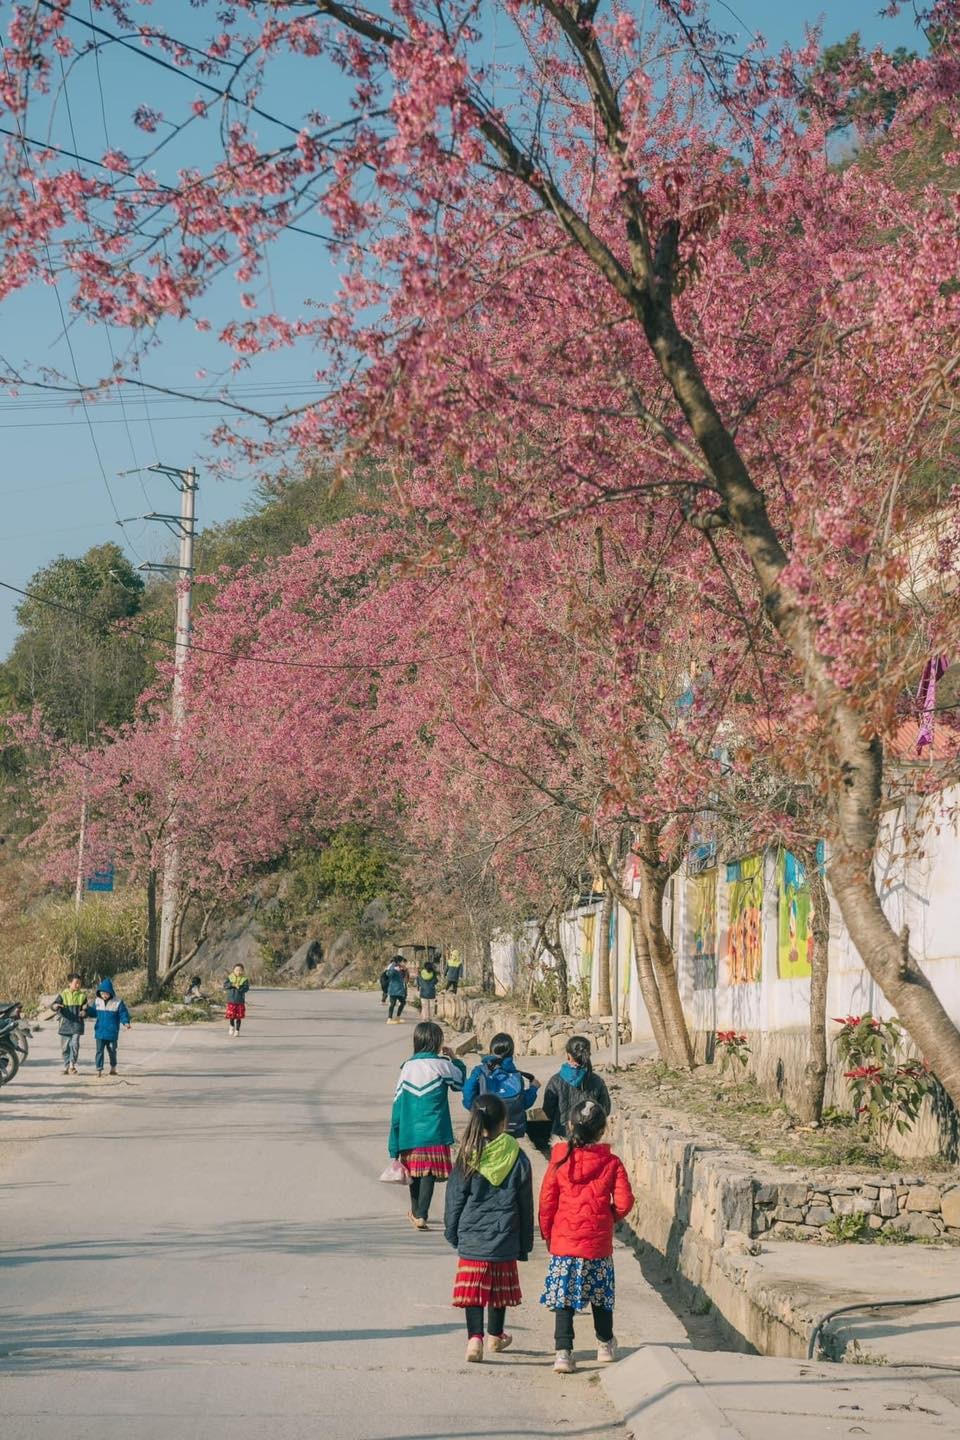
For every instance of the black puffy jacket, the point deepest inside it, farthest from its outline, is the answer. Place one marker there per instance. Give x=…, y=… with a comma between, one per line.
x=483, y=1221
x=565, y=1090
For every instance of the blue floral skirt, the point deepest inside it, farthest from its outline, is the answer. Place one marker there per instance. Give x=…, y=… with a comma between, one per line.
x=575, y=1284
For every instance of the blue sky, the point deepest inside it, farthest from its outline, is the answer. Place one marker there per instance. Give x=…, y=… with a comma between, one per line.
x=60, y=481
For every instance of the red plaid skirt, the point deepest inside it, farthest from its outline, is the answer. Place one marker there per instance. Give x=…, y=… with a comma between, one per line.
x=432, y=1160
x=235, y=1012
x=486, y=1282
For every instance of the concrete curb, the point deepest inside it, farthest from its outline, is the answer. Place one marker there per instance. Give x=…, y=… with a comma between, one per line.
x=658, y=1398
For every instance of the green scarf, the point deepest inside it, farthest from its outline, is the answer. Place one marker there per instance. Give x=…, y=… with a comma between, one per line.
x=498, y=1159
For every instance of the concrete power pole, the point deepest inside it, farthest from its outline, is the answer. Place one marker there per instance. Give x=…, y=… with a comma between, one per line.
x=184, y=527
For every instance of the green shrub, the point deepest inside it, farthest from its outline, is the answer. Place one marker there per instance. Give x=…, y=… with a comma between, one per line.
x=847, y=1229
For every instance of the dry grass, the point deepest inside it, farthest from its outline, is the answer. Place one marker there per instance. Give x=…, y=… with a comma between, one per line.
x=43, y=939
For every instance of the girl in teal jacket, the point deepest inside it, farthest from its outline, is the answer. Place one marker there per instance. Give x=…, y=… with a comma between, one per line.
x=421, y=1132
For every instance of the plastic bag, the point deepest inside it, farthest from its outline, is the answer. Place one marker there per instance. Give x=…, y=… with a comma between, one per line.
x=395, y=1174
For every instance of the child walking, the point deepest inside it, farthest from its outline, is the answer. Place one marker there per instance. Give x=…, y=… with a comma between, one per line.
x=236, y=986
x=584, y=1193
x=396, y=973
x=427, y=978
x=498, y=1075
x=109, y=1013
x=421, y=1133
x=489, y=1220
x=573, y=1082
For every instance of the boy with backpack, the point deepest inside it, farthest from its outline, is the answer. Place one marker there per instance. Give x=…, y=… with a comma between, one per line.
x=498, y=1075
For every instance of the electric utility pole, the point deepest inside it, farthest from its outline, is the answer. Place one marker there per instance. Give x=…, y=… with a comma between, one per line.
x=184, y=527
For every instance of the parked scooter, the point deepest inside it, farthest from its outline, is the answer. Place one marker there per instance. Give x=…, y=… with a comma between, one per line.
x=11, y=1053
x=13, y=1010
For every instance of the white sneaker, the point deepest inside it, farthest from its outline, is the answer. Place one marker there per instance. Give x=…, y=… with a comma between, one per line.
x=564, y=1363
x=606, y=1352
x=475, y=1350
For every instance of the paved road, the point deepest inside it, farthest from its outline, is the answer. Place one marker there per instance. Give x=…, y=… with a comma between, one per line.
x=200, y=1249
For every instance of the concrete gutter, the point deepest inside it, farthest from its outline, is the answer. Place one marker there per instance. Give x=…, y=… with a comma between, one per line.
x=663, y=1394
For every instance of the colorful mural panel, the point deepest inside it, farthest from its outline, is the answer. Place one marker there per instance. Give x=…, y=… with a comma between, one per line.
x=745, y=924
x=700, y=929
x=795, y=931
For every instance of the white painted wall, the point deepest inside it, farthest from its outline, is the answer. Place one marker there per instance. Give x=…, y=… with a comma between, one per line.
x=923, y=891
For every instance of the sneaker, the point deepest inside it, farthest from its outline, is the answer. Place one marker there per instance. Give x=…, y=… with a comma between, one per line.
x=475, y=1350
x=113, y=1070
x=564, y=1363
x=606, y=1352
x=500, y=1342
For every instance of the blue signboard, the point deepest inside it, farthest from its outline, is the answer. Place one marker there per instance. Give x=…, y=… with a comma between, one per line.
x=101, y=879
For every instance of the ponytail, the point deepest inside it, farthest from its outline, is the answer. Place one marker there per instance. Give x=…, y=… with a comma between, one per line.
x=487, y=1116
x=578, y=1048
x=588, y=1120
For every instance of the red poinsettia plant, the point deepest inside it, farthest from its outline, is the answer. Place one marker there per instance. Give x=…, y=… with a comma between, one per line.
x=733, y=1051
x=887, y=1088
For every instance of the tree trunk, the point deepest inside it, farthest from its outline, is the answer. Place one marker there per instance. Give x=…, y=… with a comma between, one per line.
x=554, y=945
x=647, y=979
x=487, y=983
x=604, y=992
x=652, y=889
x=170, y=964
x=153, y=988
x=815, y=1070
x=856, y=753
x=183, y=960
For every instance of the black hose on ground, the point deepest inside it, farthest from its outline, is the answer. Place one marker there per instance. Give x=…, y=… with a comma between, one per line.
x=817, y=1330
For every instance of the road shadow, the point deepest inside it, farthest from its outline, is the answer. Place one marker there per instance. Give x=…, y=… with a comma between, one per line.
x=378, y=1236
x=108, y=1344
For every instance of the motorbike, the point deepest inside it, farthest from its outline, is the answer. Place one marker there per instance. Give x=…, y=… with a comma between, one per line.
x=20, y=1037
x=10, y=1051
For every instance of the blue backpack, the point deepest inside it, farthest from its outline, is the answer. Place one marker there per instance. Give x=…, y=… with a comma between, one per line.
x=507, y=1086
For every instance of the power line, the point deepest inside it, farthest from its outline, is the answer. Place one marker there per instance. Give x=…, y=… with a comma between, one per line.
x=134, y=419
x=76, y=376
x=48, y=147
x=174, y=69
x=106, y=328
x=132, y=634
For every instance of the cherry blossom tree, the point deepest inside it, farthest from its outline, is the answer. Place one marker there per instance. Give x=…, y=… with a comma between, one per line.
x=621, y=275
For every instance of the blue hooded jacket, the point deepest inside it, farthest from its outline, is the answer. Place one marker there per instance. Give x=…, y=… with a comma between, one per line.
x=490, y=1063
x=109, y=1012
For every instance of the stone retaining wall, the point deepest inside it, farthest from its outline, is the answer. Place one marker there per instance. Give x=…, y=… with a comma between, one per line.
x=533, y=1032
x=805, y=1209
x=706, y=1207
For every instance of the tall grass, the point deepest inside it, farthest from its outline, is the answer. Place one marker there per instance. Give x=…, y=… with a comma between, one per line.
x=44, y=943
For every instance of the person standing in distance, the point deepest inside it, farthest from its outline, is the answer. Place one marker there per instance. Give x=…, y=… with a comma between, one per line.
x=236, y=986
x=396, y=989
x=427, y=978
x=453, y=971
x=71, y=1006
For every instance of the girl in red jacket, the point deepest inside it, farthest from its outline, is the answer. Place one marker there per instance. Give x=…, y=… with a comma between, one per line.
x=585, y=1192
